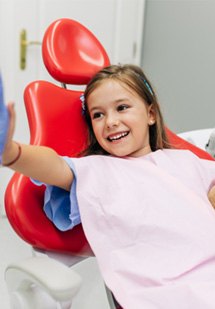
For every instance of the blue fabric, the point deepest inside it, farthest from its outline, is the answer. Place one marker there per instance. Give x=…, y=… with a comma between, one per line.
x=60, y=206
x=4, y=121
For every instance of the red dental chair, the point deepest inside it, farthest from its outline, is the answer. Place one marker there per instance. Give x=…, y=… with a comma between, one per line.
x=72, y=55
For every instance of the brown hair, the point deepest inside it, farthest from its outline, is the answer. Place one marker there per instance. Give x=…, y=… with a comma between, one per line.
x=134, y=78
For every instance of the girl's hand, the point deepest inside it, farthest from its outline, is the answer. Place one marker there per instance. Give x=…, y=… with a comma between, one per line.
x=7, y=124
x=4, y=122
x=9, y=145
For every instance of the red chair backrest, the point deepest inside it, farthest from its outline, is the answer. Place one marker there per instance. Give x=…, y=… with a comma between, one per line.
x=55, y=120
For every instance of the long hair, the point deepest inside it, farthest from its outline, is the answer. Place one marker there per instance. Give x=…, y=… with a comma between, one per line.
x=134, y=78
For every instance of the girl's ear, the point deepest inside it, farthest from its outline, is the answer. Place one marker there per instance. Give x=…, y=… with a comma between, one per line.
x=151, y=115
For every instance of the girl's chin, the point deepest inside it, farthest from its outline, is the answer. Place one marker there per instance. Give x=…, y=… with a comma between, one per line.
x=119, y=153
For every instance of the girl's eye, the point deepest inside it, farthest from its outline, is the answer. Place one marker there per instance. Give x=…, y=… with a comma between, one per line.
x=122, y=107
x=97, y=115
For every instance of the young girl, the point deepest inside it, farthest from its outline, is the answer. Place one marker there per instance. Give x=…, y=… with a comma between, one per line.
x=144, y=207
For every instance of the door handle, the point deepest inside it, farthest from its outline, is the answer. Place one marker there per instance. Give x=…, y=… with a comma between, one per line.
x=23, y=48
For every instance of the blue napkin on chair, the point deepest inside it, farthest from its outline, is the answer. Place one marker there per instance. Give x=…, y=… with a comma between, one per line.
x=4, y=120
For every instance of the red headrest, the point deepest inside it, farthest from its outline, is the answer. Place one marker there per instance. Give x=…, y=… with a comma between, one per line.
x=71, y=53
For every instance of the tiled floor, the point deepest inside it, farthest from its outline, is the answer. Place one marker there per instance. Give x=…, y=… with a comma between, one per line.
x=92, y=294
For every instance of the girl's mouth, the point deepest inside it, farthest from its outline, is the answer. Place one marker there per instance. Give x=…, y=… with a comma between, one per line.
x=117, y=136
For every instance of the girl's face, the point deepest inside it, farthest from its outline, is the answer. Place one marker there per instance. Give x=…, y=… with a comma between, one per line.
x=120, y=119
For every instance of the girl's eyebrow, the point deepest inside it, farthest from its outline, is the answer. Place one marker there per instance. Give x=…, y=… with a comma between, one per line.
x=122, y=100
x=94, y=108
x=114, y=102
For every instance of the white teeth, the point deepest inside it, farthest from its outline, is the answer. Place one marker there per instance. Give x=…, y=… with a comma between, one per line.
x=118, y=136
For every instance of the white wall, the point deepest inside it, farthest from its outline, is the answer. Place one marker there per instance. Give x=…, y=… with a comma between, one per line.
x=179, y=57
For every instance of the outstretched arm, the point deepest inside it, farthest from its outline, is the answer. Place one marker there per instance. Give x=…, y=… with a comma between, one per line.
x=38, y=162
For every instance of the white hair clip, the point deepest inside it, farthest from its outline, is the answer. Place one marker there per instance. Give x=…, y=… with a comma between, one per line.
x=83, y=105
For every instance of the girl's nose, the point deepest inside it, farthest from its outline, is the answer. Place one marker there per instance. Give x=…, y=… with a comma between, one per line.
x=112, y=121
